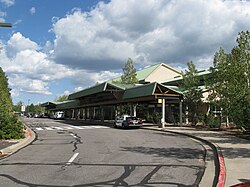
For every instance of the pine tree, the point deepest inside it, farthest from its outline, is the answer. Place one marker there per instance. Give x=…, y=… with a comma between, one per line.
x=10, y=127
x=129, y=73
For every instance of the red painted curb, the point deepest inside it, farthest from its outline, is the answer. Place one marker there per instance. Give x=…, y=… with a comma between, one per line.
x=246, y=184
x=222, y=174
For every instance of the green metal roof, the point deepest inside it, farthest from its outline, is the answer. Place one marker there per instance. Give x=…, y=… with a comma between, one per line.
x=46, y=104
x=89, y=91
x=140, y=91
x=144, y=73
x=141, y=75
x=67, y=104
x=98, y=88
x=179, y=78
x=175, y=89
x=147, y=90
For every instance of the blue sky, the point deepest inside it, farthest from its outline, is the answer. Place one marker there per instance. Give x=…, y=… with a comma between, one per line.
x=57, y=47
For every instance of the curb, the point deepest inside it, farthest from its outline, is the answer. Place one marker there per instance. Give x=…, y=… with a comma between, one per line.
x=29, y=137
x=222, y=173
x=220, y=169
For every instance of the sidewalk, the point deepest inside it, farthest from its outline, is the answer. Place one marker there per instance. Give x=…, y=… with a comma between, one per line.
x=236, y=152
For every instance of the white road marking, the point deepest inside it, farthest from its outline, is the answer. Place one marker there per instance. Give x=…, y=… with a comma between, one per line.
x=72, y=158
x=58, y=128
x=98, y=127
x=76, y=127
x=68, y=128
x=48, y=128
x=73, y=135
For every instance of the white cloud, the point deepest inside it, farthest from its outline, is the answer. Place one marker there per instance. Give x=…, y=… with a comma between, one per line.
x=2, y=15
x=28, y=69
x=32, y=10
x=84, y=78
x=19, y=43
x=88, y=46
x=8, y=2
x=148, y=32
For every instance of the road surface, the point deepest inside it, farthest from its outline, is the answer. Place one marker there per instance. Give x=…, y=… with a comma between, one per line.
x=87, y=155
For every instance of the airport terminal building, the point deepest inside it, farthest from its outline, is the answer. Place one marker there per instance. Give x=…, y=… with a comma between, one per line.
x=157, y=95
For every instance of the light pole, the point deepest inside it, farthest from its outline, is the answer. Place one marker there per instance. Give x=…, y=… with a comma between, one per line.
x=28, y=106
x=5, y=24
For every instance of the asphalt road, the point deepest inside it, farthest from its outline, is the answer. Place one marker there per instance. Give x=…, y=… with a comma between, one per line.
x=68, y=155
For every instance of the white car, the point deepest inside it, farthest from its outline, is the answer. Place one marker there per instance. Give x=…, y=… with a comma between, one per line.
x=59, y=115
x=126, y=121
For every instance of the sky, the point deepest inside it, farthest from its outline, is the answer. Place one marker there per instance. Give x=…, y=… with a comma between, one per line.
x=58, y=47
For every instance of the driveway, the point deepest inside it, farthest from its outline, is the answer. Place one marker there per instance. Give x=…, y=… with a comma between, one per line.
x=87, y=155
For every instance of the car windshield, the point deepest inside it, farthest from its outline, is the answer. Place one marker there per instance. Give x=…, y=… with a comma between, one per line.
x=131, y=118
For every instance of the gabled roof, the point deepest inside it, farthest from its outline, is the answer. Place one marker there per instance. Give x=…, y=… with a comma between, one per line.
x=143, y=74
x=46, y=104
x=179, y=78
x=149, y=90
x=92, y=90
x=67, y=104
x=99, y=88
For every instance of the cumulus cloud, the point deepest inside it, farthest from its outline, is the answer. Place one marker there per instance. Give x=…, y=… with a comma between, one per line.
x=32, y=10
x=2, y=15
x=8, y=2
x=18, y=43
x=28, y=69
x=89, y=46
x=31, y=70
x=85, y=78
x=149, y=32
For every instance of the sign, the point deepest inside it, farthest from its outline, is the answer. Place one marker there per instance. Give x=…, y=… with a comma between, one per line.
x=159, y=100
x=22, y=108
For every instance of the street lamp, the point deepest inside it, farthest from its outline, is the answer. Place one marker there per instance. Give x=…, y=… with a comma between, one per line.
x=5, y=24
x=28, y=106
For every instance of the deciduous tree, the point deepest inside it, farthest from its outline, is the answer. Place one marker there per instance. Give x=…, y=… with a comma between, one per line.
x=193, y=93
x=230, y=83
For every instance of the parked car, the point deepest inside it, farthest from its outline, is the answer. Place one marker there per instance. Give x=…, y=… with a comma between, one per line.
x=126, y=121
x=59, y=115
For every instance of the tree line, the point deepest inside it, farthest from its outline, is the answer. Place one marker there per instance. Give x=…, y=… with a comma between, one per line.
x=228, y=87
x=10, y=126
x=229, y=90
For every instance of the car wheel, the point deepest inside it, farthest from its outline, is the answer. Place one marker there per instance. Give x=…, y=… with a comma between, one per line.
x=115, y=126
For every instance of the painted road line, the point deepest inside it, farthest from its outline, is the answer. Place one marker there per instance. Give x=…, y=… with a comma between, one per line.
x=68, y=128
x=76, y=127
x=58, y=128
x=39, y=128
x=73, y=135
x=100, y=127
x=72, y=158
x=48, y=128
